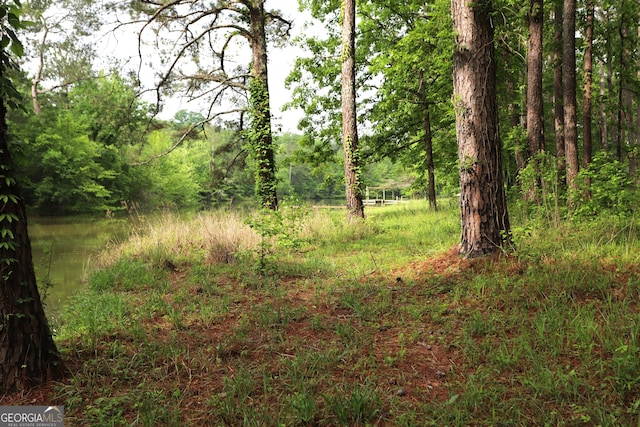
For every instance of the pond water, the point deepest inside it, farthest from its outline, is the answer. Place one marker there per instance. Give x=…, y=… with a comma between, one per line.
x=62, y=250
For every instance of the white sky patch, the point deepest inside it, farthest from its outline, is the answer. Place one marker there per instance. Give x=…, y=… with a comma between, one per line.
x=123, y=45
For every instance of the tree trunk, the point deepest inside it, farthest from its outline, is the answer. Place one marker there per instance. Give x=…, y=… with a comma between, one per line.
x=626, y=101
x=615, y=127
x=28, y=354
x=535, y=112
x=587, y=135
x=633, y=166
x=428, y=148
x=353, y=187
x=428, y=143
x=623, y=97
x=262, y=138
x=515, y=121
x=558, y=102
x=485, y=220
x=569, y=93
x=604, y=133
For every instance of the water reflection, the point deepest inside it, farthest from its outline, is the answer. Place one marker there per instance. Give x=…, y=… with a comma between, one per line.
x=62, y=250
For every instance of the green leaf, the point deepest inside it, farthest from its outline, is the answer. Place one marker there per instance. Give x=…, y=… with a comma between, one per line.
x=453, y=399
x=17, y=48
x=13, y=19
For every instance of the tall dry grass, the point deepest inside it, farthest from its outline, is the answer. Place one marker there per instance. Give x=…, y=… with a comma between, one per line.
x=215, y=236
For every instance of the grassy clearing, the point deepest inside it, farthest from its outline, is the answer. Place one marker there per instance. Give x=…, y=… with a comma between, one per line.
x=378, y=324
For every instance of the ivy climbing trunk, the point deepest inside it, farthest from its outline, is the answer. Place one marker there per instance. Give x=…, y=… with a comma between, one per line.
x=485, y=220
x=28, y=354
x=353, y=187
x=261, y=136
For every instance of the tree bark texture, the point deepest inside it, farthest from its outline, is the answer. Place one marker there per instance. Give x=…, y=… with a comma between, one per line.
x=627, y=130
x=603, y=130
x=535, y=111
x=353, y=187
x=587, y=135
x=611, y=92
x=558, y=97
x=485, y=220
x=569, y=93
x=259, y=93
x=28, y=354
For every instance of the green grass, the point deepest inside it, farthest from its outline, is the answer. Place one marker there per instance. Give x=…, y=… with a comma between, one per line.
x=377, y=324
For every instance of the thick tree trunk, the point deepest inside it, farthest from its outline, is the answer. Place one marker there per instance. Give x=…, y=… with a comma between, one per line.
x=28, y=354
x=353, y=186
x=262, y=139
x=558, y=101
x=587, y=135
x=535, y=112
x=569, y=93
x=485, y=220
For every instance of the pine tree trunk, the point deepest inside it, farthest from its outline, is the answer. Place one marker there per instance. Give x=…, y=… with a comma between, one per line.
x=569, y=93
x=558, y=101
x=587, y=135
x=604, y=133
x=624, y=97
x=353, y=186
x=615, y=128
x=485, y=220
x=535, y=111
x=262, y=138
x=633, y=167
x=28, y=354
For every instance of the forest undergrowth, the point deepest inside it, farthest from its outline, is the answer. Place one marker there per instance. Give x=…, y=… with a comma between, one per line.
x=296, y=318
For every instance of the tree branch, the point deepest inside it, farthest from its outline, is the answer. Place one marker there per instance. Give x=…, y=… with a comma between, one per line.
x=185, y=135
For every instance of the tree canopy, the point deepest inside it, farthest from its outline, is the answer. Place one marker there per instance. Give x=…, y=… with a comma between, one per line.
x=96, y=142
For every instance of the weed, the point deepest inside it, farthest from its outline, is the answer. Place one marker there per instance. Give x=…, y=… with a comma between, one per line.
x=128, y=275
x=360, y=405
x=93, y=315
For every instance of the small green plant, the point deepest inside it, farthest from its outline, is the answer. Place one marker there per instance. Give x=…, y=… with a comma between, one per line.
x=278, y=228
x=359, y=406
x=92, y=315
x=233, y=403
x=626, y=361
